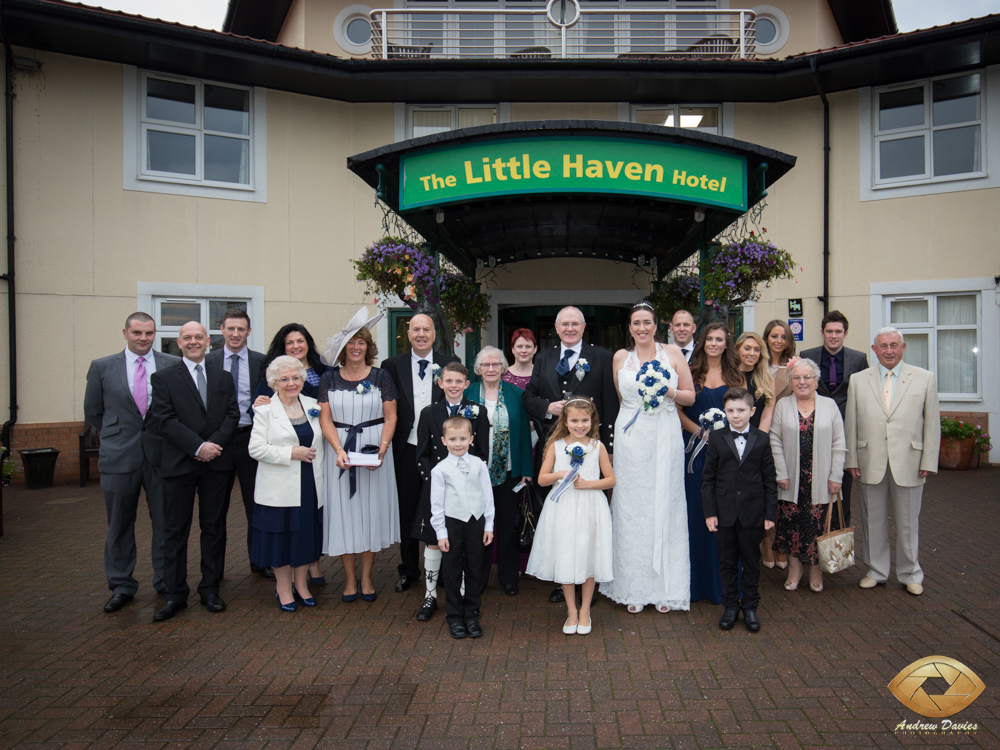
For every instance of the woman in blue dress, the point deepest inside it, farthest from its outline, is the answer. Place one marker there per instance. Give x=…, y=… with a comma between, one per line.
x=714, y=369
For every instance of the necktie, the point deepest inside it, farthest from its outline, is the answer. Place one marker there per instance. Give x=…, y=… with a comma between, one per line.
x=202, y=384
x=833, y=371
x=463, y=466
x=423, y=367
x=234, y=370
x=887, y=389
x=454, y=409
x=140, y=391
x=563, y=367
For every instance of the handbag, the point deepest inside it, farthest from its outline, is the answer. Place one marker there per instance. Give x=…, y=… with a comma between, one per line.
x=836, y=548
x=527, y=518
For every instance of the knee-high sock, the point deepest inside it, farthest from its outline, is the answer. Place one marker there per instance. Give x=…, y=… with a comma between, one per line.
x=432, y=567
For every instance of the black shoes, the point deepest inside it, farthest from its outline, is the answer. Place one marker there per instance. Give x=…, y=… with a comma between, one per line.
x=404, y=583
x=168, y=610
x=457, y=630
x=510, y=590
x=426, y=611
x=265, y=573
x=729, y=617
x=751, y=620
x=213, y=602
x=116, y=602
x=557, y=595
x=472, y=629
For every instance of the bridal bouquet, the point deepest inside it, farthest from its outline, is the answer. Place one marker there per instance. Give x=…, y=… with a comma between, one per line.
x=654, y=382
x=709, y=421
x=576, y=452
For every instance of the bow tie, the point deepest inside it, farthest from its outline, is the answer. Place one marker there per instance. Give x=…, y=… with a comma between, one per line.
x=740, y=434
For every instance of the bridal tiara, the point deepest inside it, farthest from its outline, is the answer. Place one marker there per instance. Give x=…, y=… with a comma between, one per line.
x=637, y=305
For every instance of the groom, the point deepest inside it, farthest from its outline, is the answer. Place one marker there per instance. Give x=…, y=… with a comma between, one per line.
x=574, y=368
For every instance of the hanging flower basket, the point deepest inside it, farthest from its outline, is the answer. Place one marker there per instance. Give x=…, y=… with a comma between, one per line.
x=679, y=292
x=464, y=304
x=738, y=272
x=393, y=266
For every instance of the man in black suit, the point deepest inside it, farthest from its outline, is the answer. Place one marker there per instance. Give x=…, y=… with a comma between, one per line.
x=195, y=410
x=739, y=495
x=415, y=375
x=243, y=365
x=574, y=368
x=430, y=452
x=836, y=365
x=116, y=403
x=682, y=328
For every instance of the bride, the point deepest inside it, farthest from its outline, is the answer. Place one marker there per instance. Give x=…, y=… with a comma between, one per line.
x=648, y=508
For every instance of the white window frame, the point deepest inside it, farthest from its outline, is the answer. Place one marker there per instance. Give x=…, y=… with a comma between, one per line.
x=134, y=143
x=872, y=188
x=453, y=109
x=988, y=326
x=150, y=295
x=635, y=108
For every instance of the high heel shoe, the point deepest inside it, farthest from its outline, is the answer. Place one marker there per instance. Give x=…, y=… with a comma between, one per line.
x=318, y=581
x=306, y=602
x=635, y=608
x=348, y=598
x=814, y=587
x=367, y=597
x=789, y=586
x=585, y=629
x=780, y=561
x=764, y=552
x=292, y=607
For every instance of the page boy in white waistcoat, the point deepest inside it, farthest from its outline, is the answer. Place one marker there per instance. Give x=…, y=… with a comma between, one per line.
x=462, y=517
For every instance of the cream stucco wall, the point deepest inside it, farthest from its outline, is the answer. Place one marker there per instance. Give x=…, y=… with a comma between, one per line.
x=811, y=25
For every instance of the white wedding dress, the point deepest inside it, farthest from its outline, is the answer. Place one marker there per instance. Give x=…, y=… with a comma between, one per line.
x=648, y=507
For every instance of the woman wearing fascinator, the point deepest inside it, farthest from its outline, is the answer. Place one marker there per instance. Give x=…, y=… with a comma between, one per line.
x=357, y=404
x=649, y=511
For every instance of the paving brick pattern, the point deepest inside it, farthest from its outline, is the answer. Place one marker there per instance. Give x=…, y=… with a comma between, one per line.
x=370, y=676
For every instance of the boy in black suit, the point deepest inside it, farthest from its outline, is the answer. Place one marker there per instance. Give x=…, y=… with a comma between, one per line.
x=739, y=494
x=453, y=380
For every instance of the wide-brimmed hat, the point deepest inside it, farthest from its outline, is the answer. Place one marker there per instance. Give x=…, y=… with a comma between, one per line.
x=336, y=343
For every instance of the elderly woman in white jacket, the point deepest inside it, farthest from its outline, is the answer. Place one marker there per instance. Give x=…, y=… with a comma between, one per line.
x=288, y=521
x=808, y=445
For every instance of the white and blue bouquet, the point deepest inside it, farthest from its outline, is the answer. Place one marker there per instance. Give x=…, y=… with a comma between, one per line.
x=576, y=452
x=709, y=421
x=654, y=383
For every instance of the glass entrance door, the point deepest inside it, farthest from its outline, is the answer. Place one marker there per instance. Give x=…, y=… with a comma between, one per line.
x=605, y=325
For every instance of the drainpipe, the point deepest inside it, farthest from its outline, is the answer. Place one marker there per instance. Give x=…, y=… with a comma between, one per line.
x=5, y=436
x=826, y=187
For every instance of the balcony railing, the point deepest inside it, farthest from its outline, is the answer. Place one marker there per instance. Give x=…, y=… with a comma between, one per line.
x=561, y=30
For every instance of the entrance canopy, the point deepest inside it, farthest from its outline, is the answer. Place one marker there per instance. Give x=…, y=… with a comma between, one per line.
x=570, y=188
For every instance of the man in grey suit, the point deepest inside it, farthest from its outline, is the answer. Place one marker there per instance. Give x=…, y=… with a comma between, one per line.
x=837, y=364
x=243, y=364
x=118, y=396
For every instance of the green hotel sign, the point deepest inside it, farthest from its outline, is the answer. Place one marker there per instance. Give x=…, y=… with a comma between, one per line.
x=666, y=171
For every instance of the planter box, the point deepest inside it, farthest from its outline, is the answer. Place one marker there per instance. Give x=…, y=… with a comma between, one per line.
x=956, y=455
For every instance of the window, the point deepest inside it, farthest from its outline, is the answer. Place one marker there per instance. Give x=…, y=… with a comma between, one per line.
x=423, y=121
x=929, y=131
x=173, y=305
x=193, y=137
x=700, y=118
x=353, y=29
x=770, y=29
x=943, y=333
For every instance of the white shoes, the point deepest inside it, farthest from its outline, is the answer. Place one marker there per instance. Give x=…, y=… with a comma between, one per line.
x=915, y=588
x=585, y=629
x=571, y=629
x=868, y=583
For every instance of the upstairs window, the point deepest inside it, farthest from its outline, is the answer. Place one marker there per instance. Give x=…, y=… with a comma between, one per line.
x=701, y=118
x=423, y=121
x=929, y=131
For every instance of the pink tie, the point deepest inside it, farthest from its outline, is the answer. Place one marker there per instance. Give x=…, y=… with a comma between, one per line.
x=140, y=391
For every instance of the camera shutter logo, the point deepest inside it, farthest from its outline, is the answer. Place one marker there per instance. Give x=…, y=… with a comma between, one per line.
x=964, y=686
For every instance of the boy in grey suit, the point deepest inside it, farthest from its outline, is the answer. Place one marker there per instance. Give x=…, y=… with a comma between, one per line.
x=117, y=400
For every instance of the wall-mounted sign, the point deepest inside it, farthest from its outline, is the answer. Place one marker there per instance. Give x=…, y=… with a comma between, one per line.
x=797, y=328
x=795, y=308
x=666, y=171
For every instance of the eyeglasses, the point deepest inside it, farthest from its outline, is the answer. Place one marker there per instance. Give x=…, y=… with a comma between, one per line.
x=490, y=366
x=802, y=378
x=293, y=379
x=570, y=325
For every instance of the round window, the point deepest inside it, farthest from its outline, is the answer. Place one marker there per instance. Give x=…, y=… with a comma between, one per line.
x=359, y=31
x=765, y=31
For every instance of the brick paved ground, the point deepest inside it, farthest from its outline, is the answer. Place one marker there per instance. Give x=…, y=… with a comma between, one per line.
x=371, y=676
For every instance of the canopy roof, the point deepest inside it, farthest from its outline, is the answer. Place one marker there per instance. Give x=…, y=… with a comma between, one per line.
x=614, y=220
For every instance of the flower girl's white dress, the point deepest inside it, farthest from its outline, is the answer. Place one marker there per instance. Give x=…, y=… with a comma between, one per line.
x=573, y=537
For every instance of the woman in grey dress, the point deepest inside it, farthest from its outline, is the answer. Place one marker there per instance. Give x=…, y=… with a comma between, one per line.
x=358, y=415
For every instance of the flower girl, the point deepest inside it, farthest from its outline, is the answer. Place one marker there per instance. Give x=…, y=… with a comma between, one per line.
x=573, y=538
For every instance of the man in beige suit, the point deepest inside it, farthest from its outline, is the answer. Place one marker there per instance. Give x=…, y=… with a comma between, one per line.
x=893, y=431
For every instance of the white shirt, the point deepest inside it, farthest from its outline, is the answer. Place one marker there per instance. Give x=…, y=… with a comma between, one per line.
x=688, y=351
x=437, y=495
x=573, y=357
x=243, y=392
x=132, y=364
x=741, y=440
x=422, y=390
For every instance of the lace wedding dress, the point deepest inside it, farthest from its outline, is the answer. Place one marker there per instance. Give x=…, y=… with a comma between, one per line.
x=648, y=507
